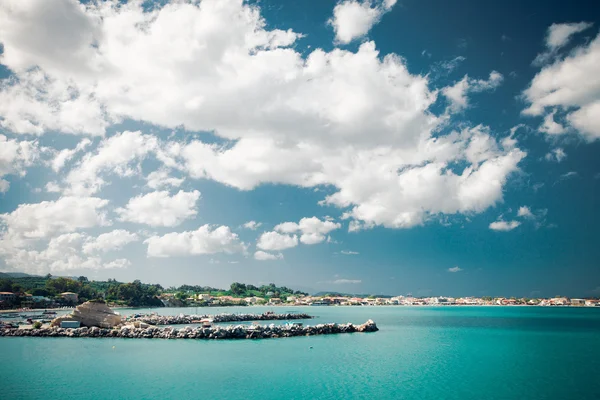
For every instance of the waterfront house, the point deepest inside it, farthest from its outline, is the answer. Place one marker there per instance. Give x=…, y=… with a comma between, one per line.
x=204, y=296
x=9, y=297
x=254, y=300
x=578, y=302
x=70, y=297
x=291, y=299
x=559, y=301
x=275, y=300
x=592, y=303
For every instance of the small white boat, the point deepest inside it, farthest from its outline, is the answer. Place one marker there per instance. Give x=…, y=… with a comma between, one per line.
x=206, y=322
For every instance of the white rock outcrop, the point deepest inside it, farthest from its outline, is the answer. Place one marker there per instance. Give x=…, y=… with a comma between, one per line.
x=92, y=314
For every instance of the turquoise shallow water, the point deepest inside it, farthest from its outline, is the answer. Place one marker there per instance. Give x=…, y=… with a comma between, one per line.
x=419, y=353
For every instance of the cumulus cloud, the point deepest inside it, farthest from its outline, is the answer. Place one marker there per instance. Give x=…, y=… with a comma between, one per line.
x=354, y=19
x=537, y=217
x=525, y=212
x=550, y=126
x=205, y=240
x=349, y=252
x=161, y=178
x=276, y=241
x=558, y=36
x=570, y=83
x=15, y=157
x=454, y=269
x=62, y=253
x=556, y=155
x=67, y=214
x=504, y=226
x=160, y=209
x=264, y=256
x=65, y=155
x=113, y=155
x=114, y=240
x=312, y=230
x=457, y=94
x=353, y=120
x=252, y=225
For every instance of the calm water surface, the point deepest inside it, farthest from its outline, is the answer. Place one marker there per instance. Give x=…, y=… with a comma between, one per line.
x=419, y=353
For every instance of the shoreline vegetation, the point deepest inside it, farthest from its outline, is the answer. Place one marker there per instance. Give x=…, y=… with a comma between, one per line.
x=20, y=293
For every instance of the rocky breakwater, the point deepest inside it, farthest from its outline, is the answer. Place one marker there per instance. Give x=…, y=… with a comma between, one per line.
x=183, y=319
x=91, y=314
x=216, y=333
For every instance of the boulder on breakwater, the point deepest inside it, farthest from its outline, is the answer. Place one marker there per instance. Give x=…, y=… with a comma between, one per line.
x=91, y=314
x=216, y=333
x=183, y=319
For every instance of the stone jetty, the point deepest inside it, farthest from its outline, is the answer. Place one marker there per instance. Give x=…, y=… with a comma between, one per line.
x=215, y=333
x=183, y=319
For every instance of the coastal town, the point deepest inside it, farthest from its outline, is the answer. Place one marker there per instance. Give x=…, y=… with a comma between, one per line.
x=8, y=300
x=49, y=292
x=385, y=301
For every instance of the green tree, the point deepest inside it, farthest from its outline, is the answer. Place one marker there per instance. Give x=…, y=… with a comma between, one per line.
x=237, y=288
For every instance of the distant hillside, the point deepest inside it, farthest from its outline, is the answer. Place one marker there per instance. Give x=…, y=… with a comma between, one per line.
x=383, y=296
x=15, y=275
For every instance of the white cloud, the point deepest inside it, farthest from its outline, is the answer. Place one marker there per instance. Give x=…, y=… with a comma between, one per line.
x=525, y=212
x=52, y=187
x=346, y=281
x=15, y=157
x=354, y=19
x=504, y=226
x=349, y=252
x=587, y=120
x=560, y=34
x=113, y=155
x=550, y=126
x=457, y=94
x=118, y=263
x=161, y=178
x=42, y=220
x=568, y=175
x=312, y=230
x=114, y=240
x=160, y=209
x=352, y=120
x=204, y=240
x=252, y=225
x=62, y=253
x=276, y=241
x=264, y=256
x=573, y=84
x=65, y=155
x=454, y=269
x=557, y=155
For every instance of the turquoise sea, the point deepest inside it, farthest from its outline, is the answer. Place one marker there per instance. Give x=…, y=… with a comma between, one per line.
x=419, y=353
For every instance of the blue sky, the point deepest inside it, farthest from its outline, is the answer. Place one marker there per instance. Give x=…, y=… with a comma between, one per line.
x=427, y=147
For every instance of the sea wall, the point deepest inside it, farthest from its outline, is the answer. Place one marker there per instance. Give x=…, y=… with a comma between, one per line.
x=183, y=319
x=217, y=333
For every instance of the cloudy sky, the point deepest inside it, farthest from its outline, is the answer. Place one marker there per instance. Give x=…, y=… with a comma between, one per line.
x=383, y=146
